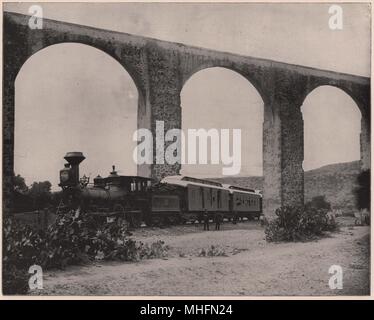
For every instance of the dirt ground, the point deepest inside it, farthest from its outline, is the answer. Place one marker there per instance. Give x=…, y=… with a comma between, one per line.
x=249, y=266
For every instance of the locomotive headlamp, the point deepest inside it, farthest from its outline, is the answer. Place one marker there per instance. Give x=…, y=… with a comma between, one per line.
x=64, y=176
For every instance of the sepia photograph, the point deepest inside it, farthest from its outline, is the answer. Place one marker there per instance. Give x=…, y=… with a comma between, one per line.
x=186, y=149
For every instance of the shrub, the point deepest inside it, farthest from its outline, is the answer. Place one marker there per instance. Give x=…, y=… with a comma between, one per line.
x=362, y=192
x=19, y=253
x=15, y=280
x=212, y=251
x=319, y=202
x=299, y=224
x=70, y=240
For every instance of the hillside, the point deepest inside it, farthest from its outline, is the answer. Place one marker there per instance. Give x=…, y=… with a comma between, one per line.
x=335, y=181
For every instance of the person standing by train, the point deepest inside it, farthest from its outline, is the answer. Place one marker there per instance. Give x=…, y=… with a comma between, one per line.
x=200, y=217
x=206, y=220
x=236, y=214
x=217, y=220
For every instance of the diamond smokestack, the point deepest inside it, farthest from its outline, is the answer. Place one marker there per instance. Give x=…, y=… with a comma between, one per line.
x=74, y=159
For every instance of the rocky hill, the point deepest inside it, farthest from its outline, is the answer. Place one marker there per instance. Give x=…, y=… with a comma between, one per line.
x=335, y=181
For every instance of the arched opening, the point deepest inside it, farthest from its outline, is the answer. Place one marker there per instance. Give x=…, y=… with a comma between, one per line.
x=219, y=98
x=73, y=97
x=332, y=126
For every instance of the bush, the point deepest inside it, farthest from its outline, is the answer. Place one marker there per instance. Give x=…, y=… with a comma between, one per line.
x=363, y=190
x=299, y=224
x=70, y=240
x=319, y=202
x=212, y=251
x=15, y=280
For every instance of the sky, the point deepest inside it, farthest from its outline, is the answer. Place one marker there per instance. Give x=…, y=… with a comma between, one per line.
x=74, y=97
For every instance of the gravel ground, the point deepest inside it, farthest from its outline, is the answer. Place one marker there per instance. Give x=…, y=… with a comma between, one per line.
x=249, y=266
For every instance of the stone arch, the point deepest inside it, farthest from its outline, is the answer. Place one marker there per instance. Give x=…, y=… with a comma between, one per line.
x=360, y=97
x=248, y=96
x=109, y=92
x=106, y=49
x=350, y=90
x=244, y=71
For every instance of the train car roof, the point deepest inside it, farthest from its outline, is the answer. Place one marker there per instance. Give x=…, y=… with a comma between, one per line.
x=125, y=178
x=136, y=177
x=240, y=189
x=184, y=181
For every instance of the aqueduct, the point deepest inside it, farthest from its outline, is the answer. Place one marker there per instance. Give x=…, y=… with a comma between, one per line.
x=160, y=69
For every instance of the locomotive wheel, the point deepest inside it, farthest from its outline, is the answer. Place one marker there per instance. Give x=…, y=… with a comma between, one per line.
x=122, y=222
x=179, y=219
x=134, y=220
x=167, y=221
x=149, y=221
x=137, y=220
x=94, y=208
x=121, y=216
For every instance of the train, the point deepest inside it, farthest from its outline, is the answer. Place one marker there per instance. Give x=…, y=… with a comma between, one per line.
x=139, y=200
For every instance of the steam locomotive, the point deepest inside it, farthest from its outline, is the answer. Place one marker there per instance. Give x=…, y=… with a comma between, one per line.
x=137, y=200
